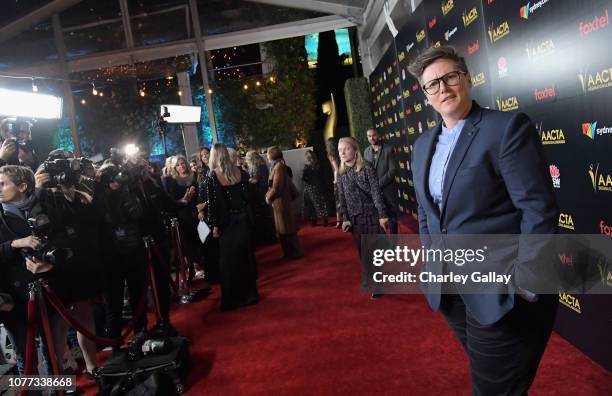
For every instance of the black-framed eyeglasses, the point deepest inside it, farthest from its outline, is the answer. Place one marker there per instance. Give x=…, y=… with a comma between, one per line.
x=450, y=79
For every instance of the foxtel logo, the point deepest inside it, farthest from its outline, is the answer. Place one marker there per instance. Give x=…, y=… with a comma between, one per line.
x=545, y=93
x=499, y=32
x=469, y=17
x=432, y=23
x=528, y=9
x=598, y=22
x=473, y=47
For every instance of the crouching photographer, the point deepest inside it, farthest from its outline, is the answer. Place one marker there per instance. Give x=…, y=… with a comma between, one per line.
x=122, y=246
x=31, y=235
x=79, y=232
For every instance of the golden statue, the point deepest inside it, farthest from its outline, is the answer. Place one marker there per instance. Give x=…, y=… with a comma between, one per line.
x=329, y=108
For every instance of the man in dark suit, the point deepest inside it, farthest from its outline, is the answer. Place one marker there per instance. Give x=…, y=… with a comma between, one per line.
x=382, y=158
x=482, y=172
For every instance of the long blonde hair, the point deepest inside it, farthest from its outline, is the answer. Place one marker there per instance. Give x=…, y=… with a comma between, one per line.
x=220, y=158
x=174, y=163
x=253, y=159
x=359, y=161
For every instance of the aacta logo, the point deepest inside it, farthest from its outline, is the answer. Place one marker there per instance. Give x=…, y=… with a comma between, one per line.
x=418, y=107
x=507, y=104
x=447, y=6
x=600, y=182
x=473, y=47
x=566, y=221
x=544, y=48
x=469, y=17
x=545, y=93
x=590, y=82
x=409, y=46
x=420, y=35
x=551, y=136
x=570, y=301
x=555, y=175
x=529, y=9
x=598, y=22
x=431, y=124
x=478, y=79
x=497, y=33
x=432, y=23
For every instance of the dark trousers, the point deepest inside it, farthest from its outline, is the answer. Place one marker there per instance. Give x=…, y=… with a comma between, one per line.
x=128, y=267
x=504, y=356
x=291, y=246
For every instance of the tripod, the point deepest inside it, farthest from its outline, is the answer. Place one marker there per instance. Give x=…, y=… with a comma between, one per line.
x=183, y=262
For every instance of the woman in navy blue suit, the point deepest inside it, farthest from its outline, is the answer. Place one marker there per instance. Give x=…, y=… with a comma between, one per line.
x=482, y=172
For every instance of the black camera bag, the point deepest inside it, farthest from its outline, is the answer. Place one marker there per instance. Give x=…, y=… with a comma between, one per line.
x=150, y=375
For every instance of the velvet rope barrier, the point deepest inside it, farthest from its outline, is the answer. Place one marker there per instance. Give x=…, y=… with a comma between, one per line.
x=48, y=336
x=164, y=267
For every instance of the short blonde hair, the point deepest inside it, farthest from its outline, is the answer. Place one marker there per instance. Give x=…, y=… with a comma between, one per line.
x=359, y=162
x=20, y=175
x=253, y=159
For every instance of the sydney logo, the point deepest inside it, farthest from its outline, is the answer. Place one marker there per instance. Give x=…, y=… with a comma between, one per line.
x=555, y=175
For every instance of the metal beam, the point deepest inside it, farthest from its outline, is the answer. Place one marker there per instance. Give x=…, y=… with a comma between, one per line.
x=36, y=16
x=127, y=26
x=68, y=98
x=326, y=7
x=184, y=47
x=197, y=30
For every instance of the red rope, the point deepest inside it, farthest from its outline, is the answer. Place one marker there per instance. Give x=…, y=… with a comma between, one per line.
x=164, y=267
x=153, y=284
x=48, y=335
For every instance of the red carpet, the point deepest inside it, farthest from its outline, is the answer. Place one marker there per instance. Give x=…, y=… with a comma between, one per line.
x=314, y=333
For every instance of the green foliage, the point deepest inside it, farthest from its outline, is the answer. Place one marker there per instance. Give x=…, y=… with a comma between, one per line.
x=292, y=115
x=357, y=95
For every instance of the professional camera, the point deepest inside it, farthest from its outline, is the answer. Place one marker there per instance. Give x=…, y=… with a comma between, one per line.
x=17, y=129
x=65, y=171
x=49, y=252
x=141, y=346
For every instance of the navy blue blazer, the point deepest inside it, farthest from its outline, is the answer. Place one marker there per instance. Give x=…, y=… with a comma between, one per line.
x=496, y=182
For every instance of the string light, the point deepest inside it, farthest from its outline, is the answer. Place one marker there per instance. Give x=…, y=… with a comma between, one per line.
x=94, y=91
x=142, y=93
x=245, y=87
x=209, y=90
x=180, y=93
x=257, y=83
x=34, y=86
x=83, y=101
x=100, y=93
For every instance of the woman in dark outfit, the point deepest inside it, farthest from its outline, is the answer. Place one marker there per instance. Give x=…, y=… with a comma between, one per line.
x=228, y=215
x=314, y=200
x=361, y=205
x=265, y=232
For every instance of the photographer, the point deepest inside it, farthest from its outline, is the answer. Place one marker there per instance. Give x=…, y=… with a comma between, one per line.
x=16, y=143
x=155, y=203
x=122, y=245
x=81, y=236
x=26, y=257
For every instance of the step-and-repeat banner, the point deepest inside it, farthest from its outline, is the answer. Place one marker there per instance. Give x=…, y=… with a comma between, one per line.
x=550, y=59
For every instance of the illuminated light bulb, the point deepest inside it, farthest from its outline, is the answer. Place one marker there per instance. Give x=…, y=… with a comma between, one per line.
x=257, y=83
x=245, y=87
x=180, y=93
x=83, y=101
x=142, y=93
x=100, y=94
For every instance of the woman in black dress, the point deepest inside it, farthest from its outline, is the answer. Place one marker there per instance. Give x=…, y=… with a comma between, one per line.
x=265, y=233
x=314, y=200
x=228, y=215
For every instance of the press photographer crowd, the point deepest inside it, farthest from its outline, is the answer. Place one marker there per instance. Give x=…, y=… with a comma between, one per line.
x=82, y=235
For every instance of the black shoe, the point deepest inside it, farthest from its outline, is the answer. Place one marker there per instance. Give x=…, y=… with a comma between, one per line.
x=338, y=224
